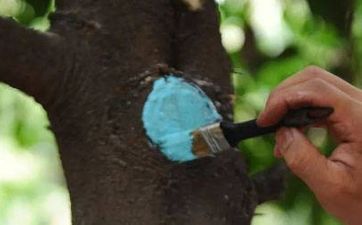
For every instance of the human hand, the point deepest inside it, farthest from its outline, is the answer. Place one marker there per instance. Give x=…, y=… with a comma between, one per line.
x=337, y=180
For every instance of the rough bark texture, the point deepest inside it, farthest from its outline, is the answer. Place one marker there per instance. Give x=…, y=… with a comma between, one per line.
x=92, y=72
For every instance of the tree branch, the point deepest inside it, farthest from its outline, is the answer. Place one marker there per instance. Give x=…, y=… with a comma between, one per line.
x=270, y=183
x=29, y=60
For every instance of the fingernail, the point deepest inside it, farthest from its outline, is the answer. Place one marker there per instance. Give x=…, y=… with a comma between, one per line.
x=286, y=139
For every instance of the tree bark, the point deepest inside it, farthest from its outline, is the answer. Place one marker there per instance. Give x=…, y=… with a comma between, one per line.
x=92, y=72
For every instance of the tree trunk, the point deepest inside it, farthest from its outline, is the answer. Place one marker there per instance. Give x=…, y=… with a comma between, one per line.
x=92, y=73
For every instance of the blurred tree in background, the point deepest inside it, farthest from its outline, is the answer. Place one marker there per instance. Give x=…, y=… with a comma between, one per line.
x=267, y=40
x=32, y=185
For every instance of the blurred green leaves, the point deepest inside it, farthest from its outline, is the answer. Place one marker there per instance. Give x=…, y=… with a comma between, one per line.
x=32, y=185
x=269, y=40
x=12, y=8
x=32, y=13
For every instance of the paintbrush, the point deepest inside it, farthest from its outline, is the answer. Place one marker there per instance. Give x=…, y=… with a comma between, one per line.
x=218, y=137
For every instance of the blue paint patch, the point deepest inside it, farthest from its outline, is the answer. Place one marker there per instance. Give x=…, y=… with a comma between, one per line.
x=172, y=111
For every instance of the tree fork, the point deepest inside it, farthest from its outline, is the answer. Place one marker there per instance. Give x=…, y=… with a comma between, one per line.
x=112, y=174
x=31, y=61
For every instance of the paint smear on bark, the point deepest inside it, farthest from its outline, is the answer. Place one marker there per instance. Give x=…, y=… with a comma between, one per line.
x=172, y=111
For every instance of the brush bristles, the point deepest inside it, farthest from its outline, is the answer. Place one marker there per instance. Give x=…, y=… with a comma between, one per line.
x=200, y=148
x=209, y=140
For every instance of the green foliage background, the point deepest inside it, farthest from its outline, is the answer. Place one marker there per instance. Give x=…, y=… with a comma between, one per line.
x=32, y=185
x=267, y=40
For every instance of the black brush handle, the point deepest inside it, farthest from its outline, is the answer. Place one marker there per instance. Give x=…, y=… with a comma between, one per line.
x=301, y=117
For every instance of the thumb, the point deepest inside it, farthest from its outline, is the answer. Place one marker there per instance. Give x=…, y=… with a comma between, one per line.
x=301, y=156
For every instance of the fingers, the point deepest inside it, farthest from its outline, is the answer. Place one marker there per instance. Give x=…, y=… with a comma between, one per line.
x=314, y=92
x=313, y=72
x=332, y=181
x=303, y=159
x=335, y=181
x=348, y=154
